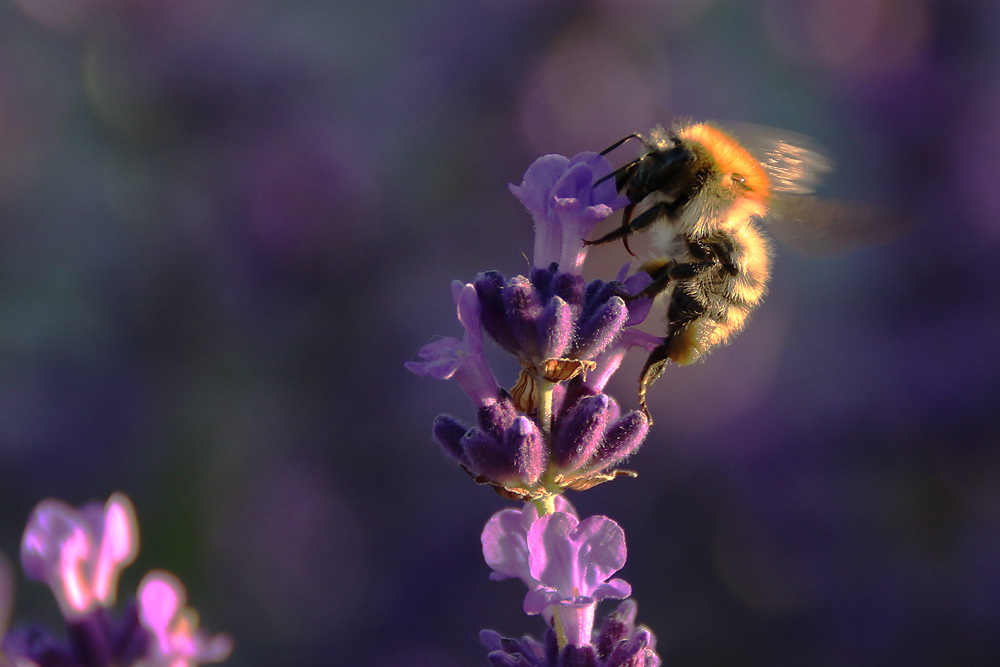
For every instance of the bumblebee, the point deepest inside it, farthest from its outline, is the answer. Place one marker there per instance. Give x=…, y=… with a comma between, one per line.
x=705, y=194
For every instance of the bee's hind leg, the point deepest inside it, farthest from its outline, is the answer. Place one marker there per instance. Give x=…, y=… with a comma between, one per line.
x=665, y=273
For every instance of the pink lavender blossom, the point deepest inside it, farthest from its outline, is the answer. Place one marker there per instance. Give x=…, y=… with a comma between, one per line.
x=565, y=563
x=80, y=553
x=176, y=640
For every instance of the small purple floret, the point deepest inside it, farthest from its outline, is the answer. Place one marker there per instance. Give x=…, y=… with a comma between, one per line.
x=553, y=315
x=591, y=436
x=463, y=360
x=565, y=204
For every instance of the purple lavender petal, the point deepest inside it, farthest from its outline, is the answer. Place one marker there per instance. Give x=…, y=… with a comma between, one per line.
x=441, y=359
x=616, y=589
x=535, y=193
x=50, y=524
x=623, y=439
x=464, y=360
x=527, y=444
x=606, y=191
x=575, y=557
x=450, y=432
x=505, y=536
x=638, y=309
x=476, y=377
x=555, y=326
x=560, y=196
x=505, y=547
x=577, y=208
x=577, y=436
x=490, y=288
x=597, y=333
x=611, y=357
x=522, y=312
x=576, y=224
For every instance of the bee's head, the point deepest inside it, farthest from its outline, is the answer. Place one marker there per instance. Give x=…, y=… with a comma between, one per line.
x=663, y=169
x=736, y=169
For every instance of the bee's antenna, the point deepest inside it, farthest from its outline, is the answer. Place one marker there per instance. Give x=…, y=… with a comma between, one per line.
x=621, y=141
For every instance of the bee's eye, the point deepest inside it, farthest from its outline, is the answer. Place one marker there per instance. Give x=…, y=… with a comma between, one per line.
x=738, y=179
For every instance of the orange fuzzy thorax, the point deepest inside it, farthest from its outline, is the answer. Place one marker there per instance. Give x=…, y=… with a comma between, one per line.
x=729, y=157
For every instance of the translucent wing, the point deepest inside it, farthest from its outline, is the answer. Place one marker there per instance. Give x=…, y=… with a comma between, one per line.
x=817, y=226
x=795, y=163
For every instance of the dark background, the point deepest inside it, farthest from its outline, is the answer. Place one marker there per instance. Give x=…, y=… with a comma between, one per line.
x=225, y=225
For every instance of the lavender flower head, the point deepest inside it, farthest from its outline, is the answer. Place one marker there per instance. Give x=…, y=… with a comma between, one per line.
x=554, y=429
x=79, y=553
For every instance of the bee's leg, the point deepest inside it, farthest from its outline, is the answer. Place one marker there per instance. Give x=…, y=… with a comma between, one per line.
x=670, y=272
x=653, y=369
x=618, y=232
x=679, y=345
x=641, y=221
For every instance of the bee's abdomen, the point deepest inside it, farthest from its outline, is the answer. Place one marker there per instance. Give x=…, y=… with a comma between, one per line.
x=710, y=308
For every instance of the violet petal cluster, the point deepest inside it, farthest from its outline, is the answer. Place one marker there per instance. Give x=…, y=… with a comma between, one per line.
x=554, y=315
x=507, y=449
x=79, y=553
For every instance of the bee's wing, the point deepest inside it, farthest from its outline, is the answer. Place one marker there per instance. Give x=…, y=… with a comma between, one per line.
x=795, y=163
x=819, y=226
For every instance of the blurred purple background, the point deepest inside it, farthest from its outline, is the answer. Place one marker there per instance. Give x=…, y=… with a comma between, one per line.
x=225, y=225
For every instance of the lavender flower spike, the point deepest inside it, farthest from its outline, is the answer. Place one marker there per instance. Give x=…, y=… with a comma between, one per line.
x=561, y=196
